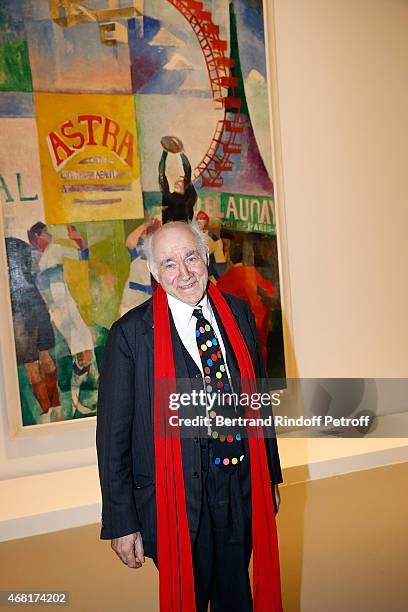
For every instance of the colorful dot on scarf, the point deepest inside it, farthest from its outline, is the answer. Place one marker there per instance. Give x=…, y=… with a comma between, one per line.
x=203, y=347
x=234, y=460
x=219, y=354
x=207, y=379
x=238, y=436
x=209, y=388
x=214, y=341
x=207, y=327
x=222, y=367
x=230, y=439
x=217, y=461
x=225, y=461
x=241, y=457
x=213, y=414
x=209, y=343
x=222, y=438
x=220, y=384
x=207, y=370
x=218, y=374
x=209, y=361
x=215, y=434
x=214, y=357
x=197, y=333
x=201, y=329
x=227, y=387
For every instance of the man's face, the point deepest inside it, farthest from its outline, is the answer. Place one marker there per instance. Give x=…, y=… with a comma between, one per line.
x=179, y=267
x=179, y=185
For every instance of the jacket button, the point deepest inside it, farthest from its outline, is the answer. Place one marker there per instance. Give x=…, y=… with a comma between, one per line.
x=196, y=475
x=198, y=376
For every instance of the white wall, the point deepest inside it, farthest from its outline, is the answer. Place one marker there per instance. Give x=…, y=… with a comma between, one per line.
x=342, y=90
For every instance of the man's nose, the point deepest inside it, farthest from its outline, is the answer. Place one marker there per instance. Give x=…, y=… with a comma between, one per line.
x=183, y=271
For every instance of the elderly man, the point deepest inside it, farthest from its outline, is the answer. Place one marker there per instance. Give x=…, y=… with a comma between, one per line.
x=197, y=504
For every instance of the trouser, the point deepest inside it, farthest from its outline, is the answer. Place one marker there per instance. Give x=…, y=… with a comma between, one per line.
x=223, y=543
x=222, y=548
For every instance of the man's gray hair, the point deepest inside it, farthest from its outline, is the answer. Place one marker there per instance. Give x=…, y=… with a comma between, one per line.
x=202, y=242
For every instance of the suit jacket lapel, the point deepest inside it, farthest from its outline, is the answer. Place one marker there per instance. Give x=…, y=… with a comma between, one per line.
x=148, y=325
x=179, y=361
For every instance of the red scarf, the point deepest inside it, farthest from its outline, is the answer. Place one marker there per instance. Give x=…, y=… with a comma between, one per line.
x=173, y=537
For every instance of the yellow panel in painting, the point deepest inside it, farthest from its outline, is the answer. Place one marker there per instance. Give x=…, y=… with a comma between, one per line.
x=89, y=157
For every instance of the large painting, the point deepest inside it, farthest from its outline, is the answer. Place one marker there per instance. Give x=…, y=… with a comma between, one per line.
x=89, y=93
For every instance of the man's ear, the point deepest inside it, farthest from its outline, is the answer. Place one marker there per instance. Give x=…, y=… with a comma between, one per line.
x=152, y=272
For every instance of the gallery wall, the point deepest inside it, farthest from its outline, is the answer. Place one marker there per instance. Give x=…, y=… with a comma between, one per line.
x=342, y=89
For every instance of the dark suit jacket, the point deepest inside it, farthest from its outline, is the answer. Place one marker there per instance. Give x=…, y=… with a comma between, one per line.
x=124, y=436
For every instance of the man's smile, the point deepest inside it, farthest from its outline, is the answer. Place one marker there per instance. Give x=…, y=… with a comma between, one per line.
x=189, y=286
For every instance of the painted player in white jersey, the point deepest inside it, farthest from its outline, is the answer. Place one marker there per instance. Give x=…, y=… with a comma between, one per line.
x=63, y=310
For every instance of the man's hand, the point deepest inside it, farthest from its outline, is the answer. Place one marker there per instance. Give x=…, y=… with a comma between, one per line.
x=129, y=549
x=277, y=497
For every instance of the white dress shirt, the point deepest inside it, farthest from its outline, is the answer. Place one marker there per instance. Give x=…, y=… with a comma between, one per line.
x=185, y=323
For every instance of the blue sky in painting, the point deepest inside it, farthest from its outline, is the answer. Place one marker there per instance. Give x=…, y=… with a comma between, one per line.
x=250, y=38
x=167, y=59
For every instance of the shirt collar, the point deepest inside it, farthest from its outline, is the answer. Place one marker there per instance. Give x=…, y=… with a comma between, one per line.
x=183, y=312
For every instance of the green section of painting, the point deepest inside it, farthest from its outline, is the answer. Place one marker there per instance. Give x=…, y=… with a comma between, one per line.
x=247, y=213
x=15, y=73
x=239, y=91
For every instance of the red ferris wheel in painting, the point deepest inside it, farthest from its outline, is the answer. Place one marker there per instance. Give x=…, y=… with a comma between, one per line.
x=226, y=140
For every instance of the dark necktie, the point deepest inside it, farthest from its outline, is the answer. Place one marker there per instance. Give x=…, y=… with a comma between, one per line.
x=227, y=445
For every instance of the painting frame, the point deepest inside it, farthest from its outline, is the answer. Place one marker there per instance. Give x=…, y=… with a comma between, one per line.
x=279, y=191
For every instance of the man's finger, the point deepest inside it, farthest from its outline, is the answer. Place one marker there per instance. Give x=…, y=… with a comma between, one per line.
x=128, y=558
x=131, y=561
x=139, y=550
